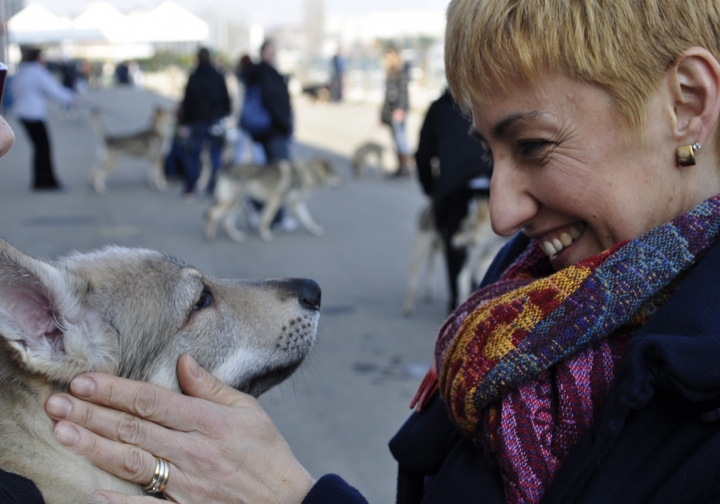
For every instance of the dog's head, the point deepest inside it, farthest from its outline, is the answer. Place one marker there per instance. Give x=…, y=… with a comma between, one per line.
x=162, y=120
x=476, y=226
x=133, y=312
x=325, y=173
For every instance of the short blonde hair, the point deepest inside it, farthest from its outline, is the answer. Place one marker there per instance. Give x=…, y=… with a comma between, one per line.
x=625, y=46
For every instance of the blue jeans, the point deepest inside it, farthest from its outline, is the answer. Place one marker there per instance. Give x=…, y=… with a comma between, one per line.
x=277, y=148
x=200, y=138
x=402, y=146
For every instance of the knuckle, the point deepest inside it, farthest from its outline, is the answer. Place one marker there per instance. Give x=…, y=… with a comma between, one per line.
x=133, y=464
x=146, y=402
x=131, y=430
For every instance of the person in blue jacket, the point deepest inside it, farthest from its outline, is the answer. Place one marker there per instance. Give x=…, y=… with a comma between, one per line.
x=585, y=367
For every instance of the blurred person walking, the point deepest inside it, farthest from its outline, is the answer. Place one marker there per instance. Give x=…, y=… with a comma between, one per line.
x=205, y=103
x=274, y=97
x=32, y=85
x=448, y=159
x=395, y=108
x=338, y=67
x=245, y=141
x=122, y=74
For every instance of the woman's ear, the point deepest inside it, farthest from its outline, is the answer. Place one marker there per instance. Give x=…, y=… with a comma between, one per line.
x=694, y=83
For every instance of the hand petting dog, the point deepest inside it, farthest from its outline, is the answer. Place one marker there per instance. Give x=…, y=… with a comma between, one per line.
x=220, y=444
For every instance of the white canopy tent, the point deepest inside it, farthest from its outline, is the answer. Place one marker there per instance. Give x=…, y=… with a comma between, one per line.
x=104, y=32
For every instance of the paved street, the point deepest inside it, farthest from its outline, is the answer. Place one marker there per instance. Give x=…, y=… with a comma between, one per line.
x=341, y=408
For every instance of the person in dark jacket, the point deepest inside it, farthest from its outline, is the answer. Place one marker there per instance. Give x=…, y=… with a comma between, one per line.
x=447, y=160
x=276, y=100
x=585, y=368
x=205, y=102
x=275, y=139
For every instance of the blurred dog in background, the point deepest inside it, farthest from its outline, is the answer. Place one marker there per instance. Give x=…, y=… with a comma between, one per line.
x=475, y=235
x=148, y=143
x=283, y=184
x=363, y=156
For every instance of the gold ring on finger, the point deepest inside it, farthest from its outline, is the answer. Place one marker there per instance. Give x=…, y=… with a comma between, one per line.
x=160, y=477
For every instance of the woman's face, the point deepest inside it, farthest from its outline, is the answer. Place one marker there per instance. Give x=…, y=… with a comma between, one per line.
x=7, y=137
x=569, y=172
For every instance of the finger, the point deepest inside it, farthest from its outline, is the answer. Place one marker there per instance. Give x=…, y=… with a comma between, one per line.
x=159, y=405
x=109, y=423
x=107, y=497
x=125, y=461
x=197, y=382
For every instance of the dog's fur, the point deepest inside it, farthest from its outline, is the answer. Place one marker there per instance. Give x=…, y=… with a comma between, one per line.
x=482, y=244
x=363, y=154
x=283, y=184
x=475, y=234
x=426, y=248
x=317, y=93
x=148, y=143
x=129, y=312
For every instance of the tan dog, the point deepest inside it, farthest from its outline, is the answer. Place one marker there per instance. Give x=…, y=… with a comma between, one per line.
x=283, y=184
x=148, y=144
x=427, y=247
x=475, y=235
x=482, y=244
x=364, y=154
x=129, y=312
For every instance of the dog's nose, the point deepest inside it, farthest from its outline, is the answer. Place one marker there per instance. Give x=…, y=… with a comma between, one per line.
x=309, y=293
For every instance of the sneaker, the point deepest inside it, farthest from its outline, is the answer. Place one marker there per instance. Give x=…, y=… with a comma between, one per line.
x=286, y=225
x=188, y=196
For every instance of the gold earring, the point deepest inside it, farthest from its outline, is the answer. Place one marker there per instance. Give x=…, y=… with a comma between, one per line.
x=686, y=154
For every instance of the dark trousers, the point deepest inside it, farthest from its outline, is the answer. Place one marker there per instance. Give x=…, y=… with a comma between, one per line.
x=202, y=136
x=43, y=175
x=449, y=213
x=276, y=148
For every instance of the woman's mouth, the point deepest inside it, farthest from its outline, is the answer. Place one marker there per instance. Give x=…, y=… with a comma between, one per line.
x=553, y=244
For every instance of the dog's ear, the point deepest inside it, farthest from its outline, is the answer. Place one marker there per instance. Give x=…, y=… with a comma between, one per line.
x=41, y=319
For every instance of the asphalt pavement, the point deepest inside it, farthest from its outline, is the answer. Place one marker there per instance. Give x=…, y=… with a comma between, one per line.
x=352, y=394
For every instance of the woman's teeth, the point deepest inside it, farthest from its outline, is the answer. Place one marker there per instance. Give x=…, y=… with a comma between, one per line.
x=554, y=246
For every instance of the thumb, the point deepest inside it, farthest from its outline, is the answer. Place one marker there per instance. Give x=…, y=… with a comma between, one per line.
x=197, y=382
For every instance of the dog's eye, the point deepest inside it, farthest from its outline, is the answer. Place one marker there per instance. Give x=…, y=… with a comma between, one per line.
x=205, y=300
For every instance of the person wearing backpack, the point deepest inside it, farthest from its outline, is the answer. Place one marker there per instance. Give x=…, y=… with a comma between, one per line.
x=248, y=119
x=267, y=115
x=205, y=103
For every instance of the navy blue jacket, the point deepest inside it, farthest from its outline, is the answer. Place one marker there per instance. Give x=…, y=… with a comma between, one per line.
x=206, y=96
x=654, y=442
x=275, y=98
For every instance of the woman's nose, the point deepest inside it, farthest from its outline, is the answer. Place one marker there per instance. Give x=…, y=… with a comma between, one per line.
x=512, y=204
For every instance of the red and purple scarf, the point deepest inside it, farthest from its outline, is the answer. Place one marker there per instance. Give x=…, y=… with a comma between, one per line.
x=526, y=362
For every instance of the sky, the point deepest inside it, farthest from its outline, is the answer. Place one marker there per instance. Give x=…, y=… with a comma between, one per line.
x=266, y=12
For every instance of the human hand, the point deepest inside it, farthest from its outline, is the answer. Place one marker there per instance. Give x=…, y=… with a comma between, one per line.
x=220, y=443
x=398, y=115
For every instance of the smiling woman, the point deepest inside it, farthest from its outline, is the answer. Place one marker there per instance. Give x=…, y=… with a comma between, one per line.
x=585, y=367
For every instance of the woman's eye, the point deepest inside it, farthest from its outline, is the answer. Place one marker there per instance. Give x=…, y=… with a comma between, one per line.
x=205, y=300
x=533, y=147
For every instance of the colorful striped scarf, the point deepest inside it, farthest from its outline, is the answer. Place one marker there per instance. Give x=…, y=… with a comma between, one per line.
x=526, y=362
